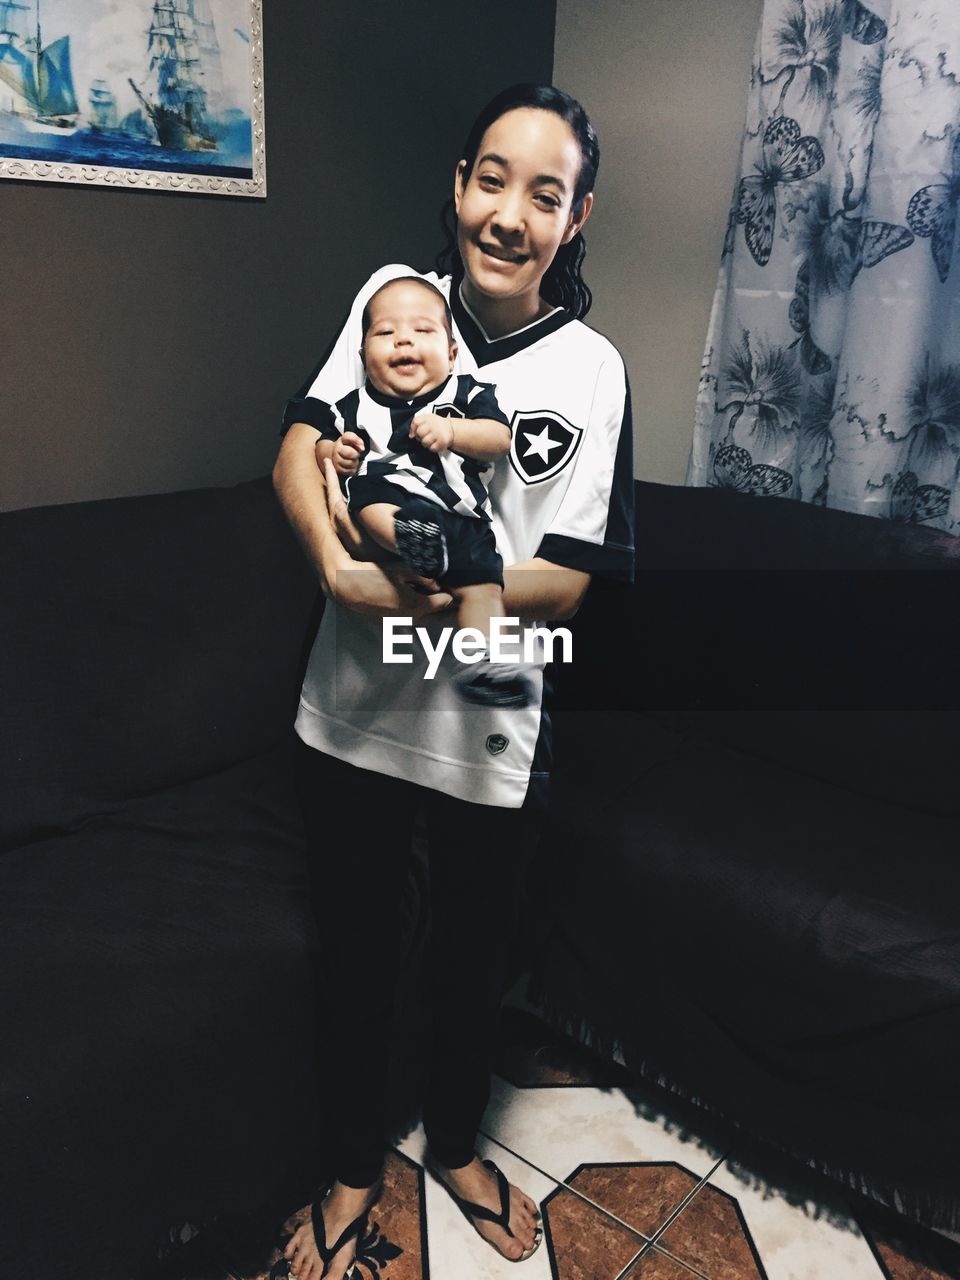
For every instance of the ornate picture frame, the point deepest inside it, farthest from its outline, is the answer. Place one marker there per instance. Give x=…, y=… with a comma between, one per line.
x=157, y=95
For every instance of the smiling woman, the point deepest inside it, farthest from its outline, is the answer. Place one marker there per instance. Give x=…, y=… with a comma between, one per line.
x=515, y=209
x=538, y=158
x=379, y=742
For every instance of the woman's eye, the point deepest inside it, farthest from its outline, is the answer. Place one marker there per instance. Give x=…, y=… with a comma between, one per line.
x=547, y=202
x=489, y=180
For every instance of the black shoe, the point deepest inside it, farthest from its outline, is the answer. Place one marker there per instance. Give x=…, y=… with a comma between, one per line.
x=494, y=684
x=422, y=545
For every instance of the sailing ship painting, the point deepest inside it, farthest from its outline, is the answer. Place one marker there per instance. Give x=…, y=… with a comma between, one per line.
x=152, y=93
x=35, y=79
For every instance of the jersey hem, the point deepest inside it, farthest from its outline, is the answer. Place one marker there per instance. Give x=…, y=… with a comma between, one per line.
x=475, y=783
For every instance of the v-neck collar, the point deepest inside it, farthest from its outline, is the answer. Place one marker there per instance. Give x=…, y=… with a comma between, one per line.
x=488, y=350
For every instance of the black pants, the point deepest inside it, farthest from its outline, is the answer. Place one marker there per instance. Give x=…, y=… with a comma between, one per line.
x=359, y=827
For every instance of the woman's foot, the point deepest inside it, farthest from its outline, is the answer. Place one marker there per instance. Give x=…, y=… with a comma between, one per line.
x=340, y=1207
x=478, y=1183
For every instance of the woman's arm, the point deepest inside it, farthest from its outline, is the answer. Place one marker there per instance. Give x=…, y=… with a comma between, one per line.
x=534, y=590
x=315, y=508
x=538, y=591
x=299, y=486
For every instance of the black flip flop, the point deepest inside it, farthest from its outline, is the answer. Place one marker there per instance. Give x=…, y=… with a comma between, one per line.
x=473, y=1211
x=356, y=1228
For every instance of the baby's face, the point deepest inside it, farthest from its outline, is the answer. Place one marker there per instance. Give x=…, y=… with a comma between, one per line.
x=406, y=349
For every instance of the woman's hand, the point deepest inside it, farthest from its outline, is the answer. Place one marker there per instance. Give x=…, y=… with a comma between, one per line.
x=315, y=507
x=347, y=452
x=343, y=523
x=433, y=432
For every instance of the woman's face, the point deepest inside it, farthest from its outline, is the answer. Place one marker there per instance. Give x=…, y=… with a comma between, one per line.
x=515, y=209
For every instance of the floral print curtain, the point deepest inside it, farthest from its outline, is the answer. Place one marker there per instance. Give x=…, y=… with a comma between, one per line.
x=832, y=367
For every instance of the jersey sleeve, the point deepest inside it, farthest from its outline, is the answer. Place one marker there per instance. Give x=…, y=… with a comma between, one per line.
x=593, y=527
x=316, y=413
x=482, y=403
x=340, y=368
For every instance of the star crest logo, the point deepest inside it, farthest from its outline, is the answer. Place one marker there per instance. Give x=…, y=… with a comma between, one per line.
x=497, y=743
x=543, y=443
x=447, y=411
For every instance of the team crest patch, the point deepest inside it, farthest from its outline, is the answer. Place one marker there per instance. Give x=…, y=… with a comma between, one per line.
x=542, y=445
x=447, y=411
x=497, y=743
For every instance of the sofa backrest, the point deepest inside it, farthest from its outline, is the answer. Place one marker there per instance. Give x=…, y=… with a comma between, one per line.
x=820, y=639
x=145, y=641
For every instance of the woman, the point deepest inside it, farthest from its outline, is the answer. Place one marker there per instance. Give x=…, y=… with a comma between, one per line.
x=379, y=742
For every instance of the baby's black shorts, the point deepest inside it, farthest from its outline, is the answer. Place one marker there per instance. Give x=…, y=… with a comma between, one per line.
x=471, y=545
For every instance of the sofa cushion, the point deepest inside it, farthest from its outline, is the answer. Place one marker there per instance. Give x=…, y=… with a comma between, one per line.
x=773, y=944
x=146, y=641
x=151, y=966
x=157, y=990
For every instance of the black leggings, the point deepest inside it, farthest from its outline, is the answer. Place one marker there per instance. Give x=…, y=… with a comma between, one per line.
x=359, y=827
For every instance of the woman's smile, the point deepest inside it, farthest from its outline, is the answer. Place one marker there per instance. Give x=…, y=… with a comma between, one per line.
x=500, y=254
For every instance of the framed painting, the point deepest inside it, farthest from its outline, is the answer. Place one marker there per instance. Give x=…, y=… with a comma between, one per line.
x=155, y=94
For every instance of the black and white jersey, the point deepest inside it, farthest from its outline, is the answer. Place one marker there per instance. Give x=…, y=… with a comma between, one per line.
x=383, y=423
x=564, y=495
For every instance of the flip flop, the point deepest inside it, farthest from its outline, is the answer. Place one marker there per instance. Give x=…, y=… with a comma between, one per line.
x=356, y=1228
x=472, y=1211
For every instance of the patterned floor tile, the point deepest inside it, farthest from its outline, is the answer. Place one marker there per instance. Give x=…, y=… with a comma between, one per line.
x=561, y=1129
x=583, y=1243
x=394, y=1246
x=641, y=1195
x=733, y=1231
x=711, y=1235
x=656, y=1265
x=904, y=1252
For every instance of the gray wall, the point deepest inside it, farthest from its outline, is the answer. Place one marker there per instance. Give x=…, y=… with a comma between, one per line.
x=666, y=84
x=150, y=340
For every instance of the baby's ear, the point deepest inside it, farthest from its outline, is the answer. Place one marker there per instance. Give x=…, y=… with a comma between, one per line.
x=453, y=354
x=363, y=356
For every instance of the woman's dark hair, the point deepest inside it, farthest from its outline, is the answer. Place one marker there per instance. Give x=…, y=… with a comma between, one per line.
x=563, y=283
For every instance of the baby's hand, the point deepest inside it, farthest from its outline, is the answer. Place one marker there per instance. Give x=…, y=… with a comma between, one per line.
x=433, y=432
x=346, y=453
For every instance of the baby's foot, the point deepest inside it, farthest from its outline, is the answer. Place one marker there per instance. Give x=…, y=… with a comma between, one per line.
x=422, y=544
x=494, y=684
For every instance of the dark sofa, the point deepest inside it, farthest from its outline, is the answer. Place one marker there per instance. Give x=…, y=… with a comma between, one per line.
x=752, y=881
x=154, y=937
x=757, y=754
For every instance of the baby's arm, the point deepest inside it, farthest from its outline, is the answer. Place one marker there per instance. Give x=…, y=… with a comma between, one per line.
x=483, y=439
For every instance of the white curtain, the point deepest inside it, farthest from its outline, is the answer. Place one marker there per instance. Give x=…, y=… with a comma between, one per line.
x=832, y=367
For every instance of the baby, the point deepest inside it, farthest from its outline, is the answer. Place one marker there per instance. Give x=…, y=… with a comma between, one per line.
x=412, y=446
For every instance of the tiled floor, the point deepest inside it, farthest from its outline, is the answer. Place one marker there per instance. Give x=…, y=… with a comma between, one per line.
x=622, y=1197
